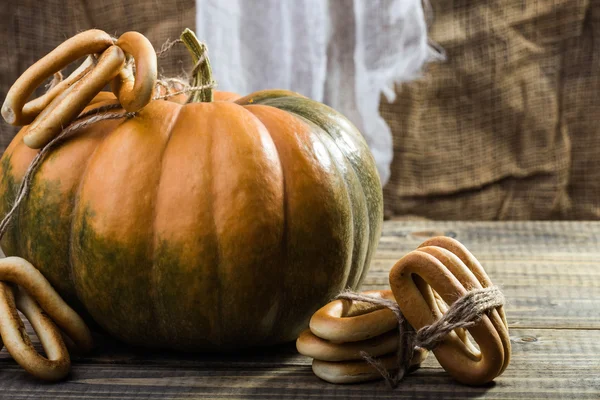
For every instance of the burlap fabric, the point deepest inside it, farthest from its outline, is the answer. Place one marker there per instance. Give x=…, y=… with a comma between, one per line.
x=508, y=127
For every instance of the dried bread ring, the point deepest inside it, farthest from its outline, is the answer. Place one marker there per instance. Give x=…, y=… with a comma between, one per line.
x=458, y=249
x=67, y=105
x=50, y=113
x=34, y=107
x=15, y=110
x=57, y=363
x=361, y=371
x=134, y=92
x=446, y=250
x=342, y=321
x=44, y=308
x=311, y=345
x=451, y=278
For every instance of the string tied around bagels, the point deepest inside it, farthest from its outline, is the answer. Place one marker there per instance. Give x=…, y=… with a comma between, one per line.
x=463, y=313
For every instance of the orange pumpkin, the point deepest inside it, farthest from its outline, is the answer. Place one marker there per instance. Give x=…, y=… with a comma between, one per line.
x=201, y=226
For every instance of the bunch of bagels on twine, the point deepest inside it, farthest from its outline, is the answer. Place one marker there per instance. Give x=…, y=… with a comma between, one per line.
x=439, y=292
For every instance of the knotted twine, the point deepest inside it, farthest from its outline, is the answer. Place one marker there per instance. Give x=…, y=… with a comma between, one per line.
x=103, y=113
x=463, y=313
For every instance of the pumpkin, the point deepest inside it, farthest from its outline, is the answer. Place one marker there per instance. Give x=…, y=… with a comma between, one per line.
x=206, y=225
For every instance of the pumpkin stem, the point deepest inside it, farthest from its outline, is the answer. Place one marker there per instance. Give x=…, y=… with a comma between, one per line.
x=202, y=73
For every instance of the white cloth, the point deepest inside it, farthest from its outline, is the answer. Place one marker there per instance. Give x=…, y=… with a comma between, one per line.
x=344, y=53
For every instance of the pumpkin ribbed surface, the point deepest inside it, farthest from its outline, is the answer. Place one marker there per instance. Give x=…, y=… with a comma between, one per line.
x=201, y=226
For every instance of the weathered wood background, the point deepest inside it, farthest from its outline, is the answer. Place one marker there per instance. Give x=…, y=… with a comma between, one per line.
x=550, y=274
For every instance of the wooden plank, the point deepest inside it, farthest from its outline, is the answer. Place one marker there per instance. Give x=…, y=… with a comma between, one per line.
x=549, y=271
x=546, y=364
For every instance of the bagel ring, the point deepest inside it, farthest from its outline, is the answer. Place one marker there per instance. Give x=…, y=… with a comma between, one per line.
x=342, y=321
x=451, y=271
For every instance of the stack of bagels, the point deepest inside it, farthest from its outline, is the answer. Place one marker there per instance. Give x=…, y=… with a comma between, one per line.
x=425, y=283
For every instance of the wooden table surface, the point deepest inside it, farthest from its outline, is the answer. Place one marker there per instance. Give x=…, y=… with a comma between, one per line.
x=550, y=274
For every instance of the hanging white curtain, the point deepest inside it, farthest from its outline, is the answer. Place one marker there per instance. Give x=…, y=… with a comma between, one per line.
x=344, y=53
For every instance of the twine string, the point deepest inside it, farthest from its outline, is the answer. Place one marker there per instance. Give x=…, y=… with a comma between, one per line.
x=168, y=45
x=463, y=313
